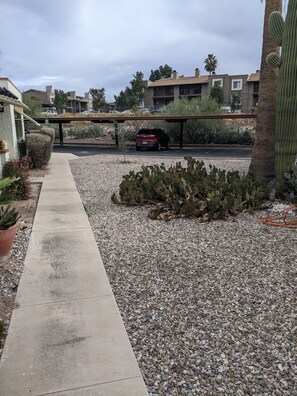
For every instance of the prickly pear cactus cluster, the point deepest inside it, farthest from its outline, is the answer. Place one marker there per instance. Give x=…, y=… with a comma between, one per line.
x=284, y=34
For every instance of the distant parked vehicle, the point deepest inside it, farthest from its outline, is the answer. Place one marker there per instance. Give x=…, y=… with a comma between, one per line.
x=87, y=112
x=127, y=112
x=52, y=112
x=152, y=138
x=226, y=109
x=114, y=112
x=144, y=109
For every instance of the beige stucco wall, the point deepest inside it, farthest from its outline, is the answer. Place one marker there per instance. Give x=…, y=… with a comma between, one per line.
x=8, y=129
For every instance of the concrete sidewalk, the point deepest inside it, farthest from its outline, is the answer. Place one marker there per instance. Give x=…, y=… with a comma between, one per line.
x=66, y=336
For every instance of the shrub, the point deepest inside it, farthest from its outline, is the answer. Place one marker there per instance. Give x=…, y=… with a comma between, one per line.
x=204, y=131
x=39, y=149
x=191, y=191
x=288, y=187
x=49, y=132
x=21, y=188
x=88, y=131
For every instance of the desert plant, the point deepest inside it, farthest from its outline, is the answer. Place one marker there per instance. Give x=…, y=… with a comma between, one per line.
x=8, y=217
x=39, y=149
x=87, y=131
x=191, y=191
x=20, y=188
x=287, y=189
x=6, y=182
x=284, y=35
x=123, y=142
x=201, y=131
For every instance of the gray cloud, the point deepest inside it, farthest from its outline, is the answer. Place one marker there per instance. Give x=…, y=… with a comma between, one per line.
x=76, y=45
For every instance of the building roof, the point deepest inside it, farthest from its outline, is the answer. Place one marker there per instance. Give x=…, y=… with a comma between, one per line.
x=6, y=92
x=15, y=102
x=78, y=99
x=178, y=81
x=7, y=79
x=254, y=77
x=34, y=90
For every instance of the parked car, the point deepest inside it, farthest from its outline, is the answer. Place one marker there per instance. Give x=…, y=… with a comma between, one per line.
x=152, y=138
x=52, y=112
x=87, y=112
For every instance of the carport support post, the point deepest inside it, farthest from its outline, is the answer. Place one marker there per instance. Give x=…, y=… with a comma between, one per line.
x=181, y=136
x=116, y=134
x=61, y=133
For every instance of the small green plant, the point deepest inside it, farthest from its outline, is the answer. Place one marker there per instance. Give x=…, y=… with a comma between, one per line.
x=8, y=217
x=7, y=182
x=124, y=142
x=287, y=188
x=191, y=191
x=20, y=188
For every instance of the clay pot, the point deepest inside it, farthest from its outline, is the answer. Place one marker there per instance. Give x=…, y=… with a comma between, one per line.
x=6, y=240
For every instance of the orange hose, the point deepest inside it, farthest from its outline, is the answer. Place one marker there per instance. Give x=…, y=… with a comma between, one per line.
x=281, y=219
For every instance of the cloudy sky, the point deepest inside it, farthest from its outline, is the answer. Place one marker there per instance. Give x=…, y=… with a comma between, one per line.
x=83, y=44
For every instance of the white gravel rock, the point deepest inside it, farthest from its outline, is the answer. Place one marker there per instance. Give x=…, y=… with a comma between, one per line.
x=210, y=309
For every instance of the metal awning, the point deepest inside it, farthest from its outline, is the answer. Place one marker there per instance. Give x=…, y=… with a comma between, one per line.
x=6, y=99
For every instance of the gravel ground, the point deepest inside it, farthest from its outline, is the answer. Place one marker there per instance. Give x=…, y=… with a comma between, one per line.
x=209, y=308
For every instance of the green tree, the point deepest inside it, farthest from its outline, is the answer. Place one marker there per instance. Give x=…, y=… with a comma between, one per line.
x=217, y=93
x=61, y=99
x=121, y=101
x=211, y=63
x=162, y=72
x=263, y=157
x=236, y=101
x=132, y=96
x=98, y=95
x=34, y=104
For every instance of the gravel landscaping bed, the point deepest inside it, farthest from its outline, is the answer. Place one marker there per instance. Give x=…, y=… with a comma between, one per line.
x=210, y=308
x=12, y=269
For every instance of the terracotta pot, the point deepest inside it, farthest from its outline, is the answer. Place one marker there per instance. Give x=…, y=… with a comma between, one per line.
x=6, y=240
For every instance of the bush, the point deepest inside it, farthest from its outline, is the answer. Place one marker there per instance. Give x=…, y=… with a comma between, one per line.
x=204, y=131
x=191, y=191
x=49, y=132
x=21, y=188
x=288, y=187
x=88, y=131
x=39, y=149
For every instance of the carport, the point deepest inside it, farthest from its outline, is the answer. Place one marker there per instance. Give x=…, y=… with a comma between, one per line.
x=121, y=119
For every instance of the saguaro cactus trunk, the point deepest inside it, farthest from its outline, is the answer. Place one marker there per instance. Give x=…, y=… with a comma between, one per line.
x=285, y=33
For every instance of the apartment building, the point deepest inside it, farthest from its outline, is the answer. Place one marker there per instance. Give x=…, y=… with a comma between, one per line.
x=162, y=92
x=75, y=103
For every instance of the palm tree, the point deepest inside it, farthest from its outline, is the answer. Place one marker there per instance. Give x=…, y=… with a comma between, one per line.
x=211, y=63
x=262, y=163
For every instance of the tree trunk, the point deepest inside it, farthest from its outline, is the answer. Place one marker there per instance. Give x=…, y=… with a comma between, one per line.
x=263, y=158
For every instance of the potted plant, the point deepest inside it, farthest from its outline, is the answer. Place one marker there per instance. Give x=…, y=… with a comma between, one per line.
x=9, y=224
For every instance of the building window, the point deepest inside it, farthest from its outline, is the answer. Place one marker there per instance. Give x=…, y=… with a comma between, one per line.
x=236, y=85
x=219, y=80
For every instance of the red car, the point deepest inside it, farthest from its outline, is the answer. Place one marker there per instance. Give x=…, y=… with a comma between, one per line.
x=152, y=138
